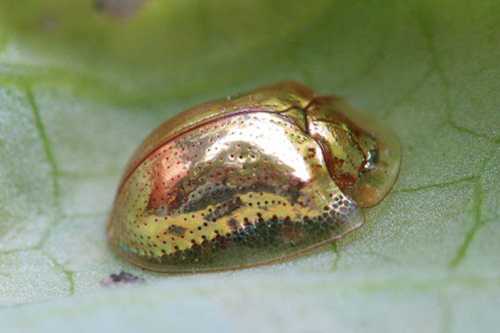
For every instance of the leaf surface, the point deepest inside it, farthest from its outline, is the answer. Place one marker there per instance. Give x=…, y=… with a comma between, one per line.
x=80, y=86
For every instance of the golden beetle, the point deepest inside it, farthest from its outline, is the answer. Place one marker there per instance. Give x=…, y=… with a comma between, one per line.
x=250, y=180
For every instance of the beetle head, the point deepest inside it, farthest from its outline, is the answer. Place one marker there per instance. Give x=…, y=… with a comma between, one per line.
x=362, y=158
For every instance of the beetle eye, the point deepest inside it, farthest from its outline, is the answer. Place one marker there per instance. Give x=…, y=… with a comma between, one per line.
x=372, y=158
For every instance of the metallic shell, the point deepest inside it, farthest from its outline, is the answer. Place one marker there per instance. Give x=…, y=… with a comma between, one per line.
x=231, y=184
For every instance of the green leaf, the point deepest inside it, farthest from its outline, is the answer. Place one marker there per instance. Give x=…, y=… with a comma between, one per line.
x=81, y=85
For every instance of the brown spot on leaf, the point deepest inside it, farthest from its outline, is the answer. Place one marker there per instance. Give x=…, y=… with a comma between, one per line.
x=119, y=8
x=121, y=278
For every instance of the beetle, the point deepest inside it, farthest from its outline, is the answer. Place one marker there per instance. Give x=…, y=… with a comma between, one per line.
x=259, y=178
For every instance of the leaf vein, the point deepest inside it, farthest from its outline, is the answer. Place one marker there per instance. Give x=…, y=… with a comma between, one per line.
x=437, y=185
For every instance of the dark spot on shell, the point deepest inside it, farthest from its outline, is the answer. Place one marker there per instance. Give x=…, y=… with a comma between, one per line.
x=224, y=209
x=176, y=230
x=233, y=224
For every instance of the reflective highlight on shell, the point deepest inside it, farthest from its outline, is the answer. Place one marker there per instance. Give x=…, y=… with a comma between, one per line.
x=260, y=178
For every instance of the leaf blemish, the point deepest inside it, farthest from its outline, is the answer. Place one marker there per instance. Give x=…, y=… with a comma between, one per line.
x=121, y=278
